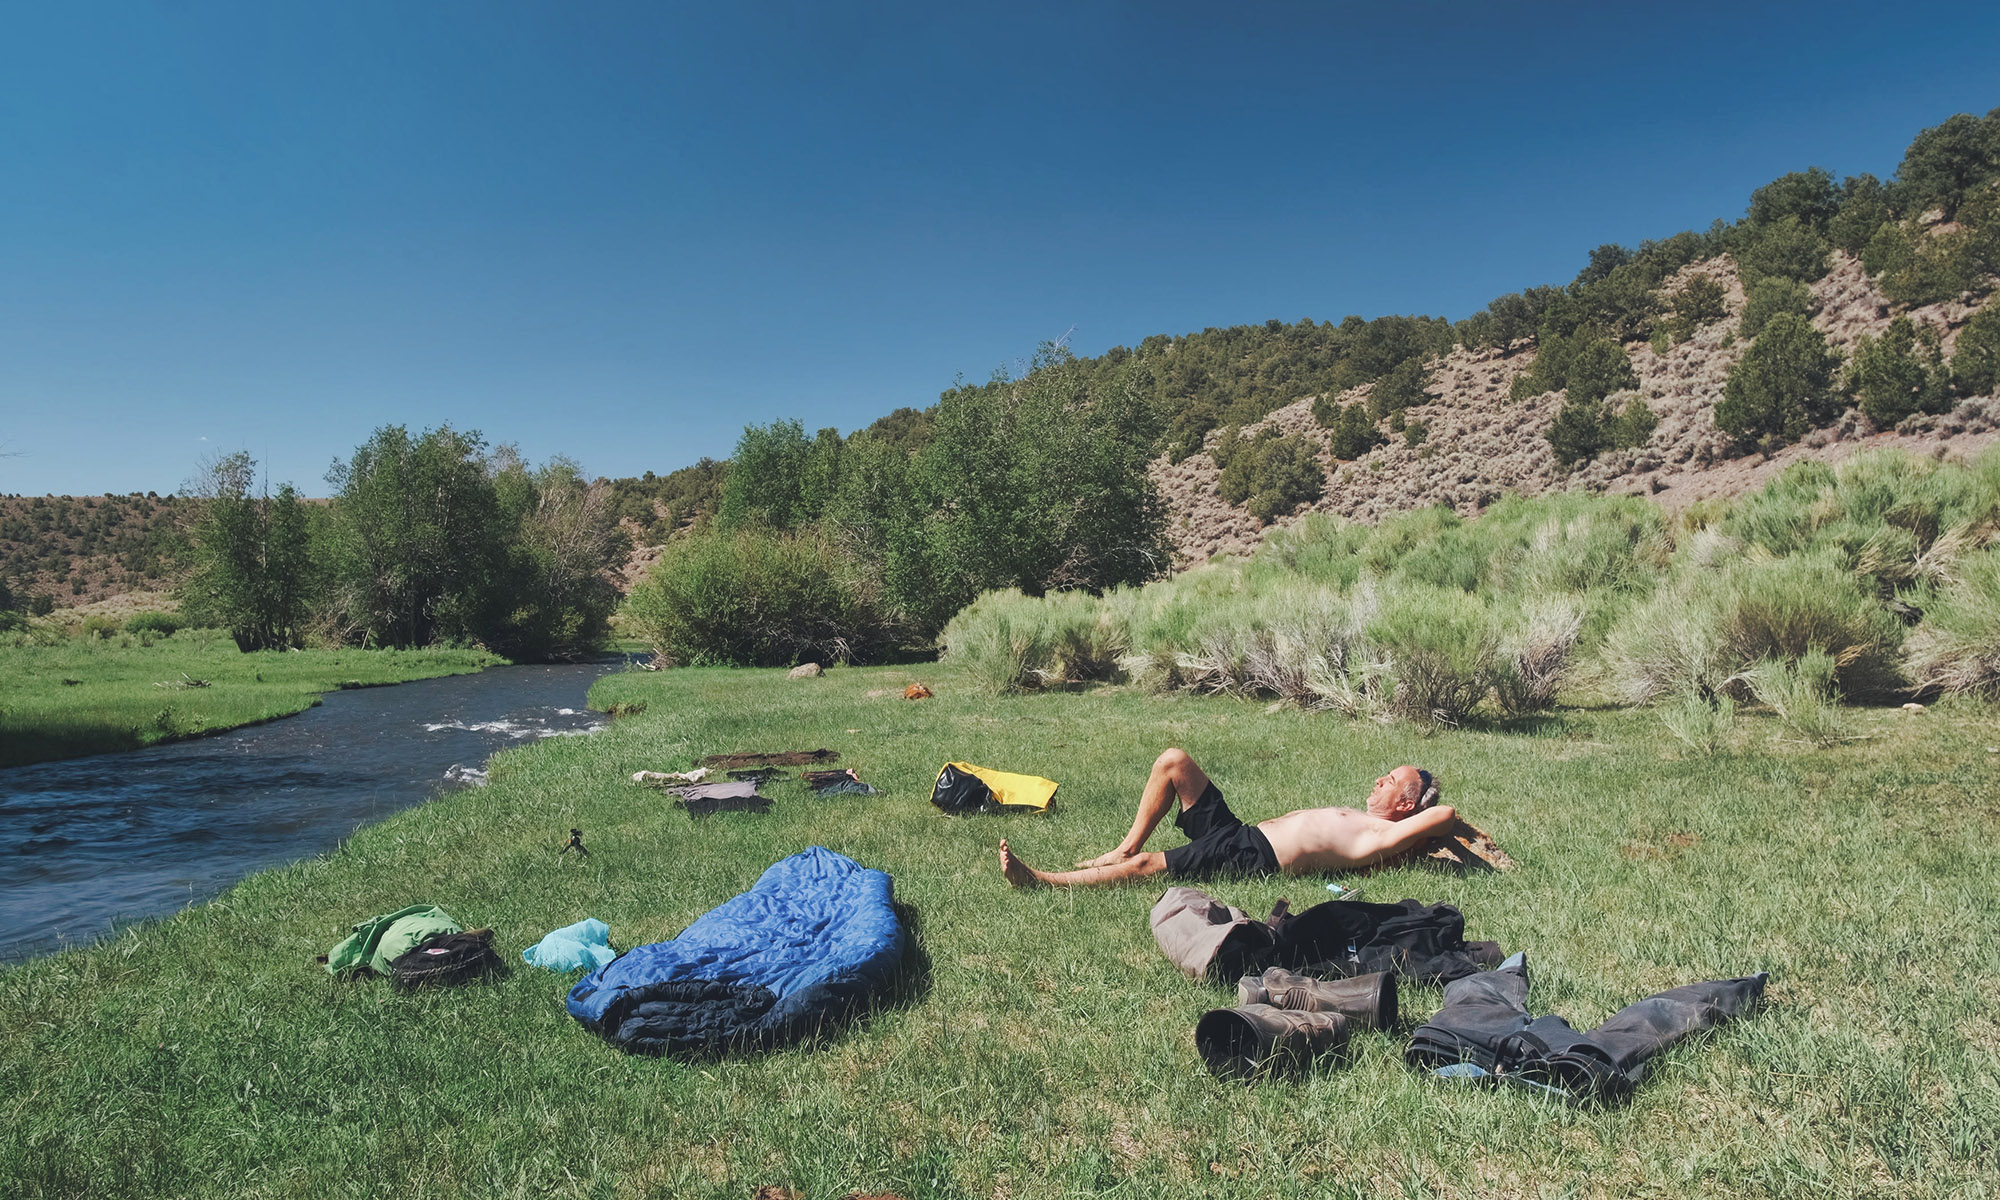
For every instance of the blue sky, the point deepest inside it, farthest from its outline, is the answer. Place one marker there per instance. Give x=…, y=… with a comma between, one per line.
x=619, y=232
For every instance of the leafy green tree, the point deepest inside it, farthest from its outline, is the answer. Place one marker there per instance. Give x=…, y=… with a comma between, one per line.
x=1864, y=207
x=1781, y=387
x=1975, y=362
x=779, y=478
x=1810, y=196
x=1787, y=247
x=253, y=570
x=1947, y=161
x=1770, y=296
x=420, y=536
x=756, y=596
x=1898, y=374
x=1603, y=261
x=1038, y=483
x=558, y=599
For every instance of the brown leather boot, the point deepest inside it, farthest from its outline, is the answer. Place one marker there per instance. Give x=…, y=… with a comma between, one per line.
x=1257, y=1039
x=1367, y=1000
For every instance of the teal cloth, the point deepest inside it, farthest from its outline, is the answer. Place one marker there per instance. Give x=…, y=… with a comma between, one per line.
x=379, y=941
x=573, y=947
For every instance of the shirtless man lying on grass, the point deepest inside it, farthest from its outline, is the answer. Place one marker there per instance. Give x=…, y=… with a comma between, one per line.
x=1402, y=813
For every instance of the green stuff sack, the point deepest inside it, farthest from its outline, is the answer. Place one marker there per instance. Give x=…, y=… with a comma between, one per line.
x=378, y=942
x=962, y=788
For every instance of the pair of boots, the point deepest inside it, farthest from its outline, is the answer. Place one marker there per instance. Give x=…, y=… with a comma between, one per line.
x=1283, y=1022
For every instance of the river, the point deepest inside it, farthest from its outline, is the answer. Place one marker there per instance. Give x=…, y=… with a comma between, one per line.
x=93, y=843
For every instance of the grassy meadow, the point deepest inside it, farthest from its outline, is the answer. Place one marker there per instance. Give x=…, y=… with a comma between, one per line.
x=89, y=696
x=1041, y=1046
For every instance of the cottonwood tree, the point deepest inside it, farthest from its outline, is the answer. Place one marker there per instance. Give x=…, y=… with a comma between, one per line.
x=254, y=571
x=419, y=535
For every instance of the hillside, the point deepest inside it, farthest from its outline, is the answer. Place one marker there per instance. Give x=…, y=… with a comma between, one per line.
x=1482, y=444
x=81, y=550
x=1630, y=378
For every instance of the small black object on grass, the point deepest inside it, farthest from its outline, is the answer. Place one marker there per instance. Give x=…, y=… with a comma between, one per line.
x=575, y=843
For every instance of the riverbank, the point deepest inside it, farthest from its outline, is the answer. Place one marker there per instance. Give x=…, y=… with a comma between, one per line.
x=87, y=696
x=1047, y=1049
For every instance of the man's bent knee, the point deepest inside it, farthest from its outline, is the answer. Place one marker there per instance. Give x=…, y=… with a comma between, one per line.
x=1189, y=780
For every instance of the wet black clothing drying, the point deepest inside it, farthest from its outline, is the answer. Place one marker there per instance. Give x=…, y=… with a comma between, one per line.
x=1425, y=942
x=1485, y=1023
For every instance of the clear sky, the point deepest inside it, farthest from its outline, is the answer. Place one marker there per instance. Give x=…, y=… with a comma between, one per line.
x=619, y=232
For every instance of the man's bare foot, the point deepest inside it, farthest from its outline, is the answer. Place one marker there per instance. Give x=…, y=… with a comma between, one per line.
x=1018, y=873
x=1108, y=858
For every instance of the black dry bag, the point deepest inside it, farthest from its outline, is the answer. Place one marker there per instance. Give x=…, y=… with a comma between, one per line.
x=961, y=792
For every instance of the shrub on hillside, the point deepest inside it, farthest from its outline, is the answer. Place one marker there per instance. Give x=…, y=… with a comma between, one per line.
x=1585, y=364
x=1975, y=362
x=1271, y=474
x=1915, y=267
x=1577, y=433
x=1781, y=387
x=1354, y=433
x=1770, y=296
x=1699, y=303
x=1898, y=374
x=1403, y=387
x=756, y=598
x=1957, y=649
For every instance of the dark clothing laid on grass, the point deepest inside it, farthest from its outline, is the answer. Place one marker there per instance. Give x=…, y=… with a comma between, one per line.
x=1206, y=938
x=1219, y=845
x=813, y=940
x=1484, y=1031
x=781, y=758
x=703, y=799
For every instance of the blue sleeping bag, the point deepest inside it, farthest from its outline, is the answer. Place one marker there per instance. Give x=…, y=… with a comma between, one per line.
x=812, y=940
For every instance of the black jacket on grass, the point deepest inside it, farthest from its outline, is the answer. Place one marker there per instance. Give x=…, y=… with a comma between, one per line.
x=1209, y=939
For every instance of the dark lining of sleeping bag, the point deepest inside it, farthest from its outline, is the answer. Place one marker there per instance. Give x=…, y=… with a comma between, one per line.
x=814, y=939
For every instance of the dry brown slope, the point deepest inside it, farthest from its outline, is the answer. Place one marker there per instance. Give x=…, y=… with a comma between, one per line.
x=1483, y=445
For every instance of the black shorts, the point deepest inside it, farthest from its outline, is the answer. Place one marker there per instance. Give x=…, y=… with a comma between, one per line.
x=1220, y=844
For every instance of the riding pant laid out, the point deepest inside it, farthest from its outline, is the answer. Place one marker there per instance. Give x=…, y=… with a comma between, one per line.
x=1484, y=1030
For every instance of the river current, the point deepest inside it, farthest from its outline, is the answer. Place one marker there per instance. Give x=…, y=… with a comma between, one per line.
x=90, y=844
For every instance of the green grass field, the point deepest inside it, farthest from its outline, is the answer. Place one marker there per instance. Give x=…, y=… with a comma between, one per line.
x=1045, y=1050
x=89, y=697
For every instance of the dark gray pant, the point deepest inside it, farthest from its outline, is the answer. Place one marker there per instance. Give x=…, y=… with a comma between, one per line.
x=1485, y=1022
